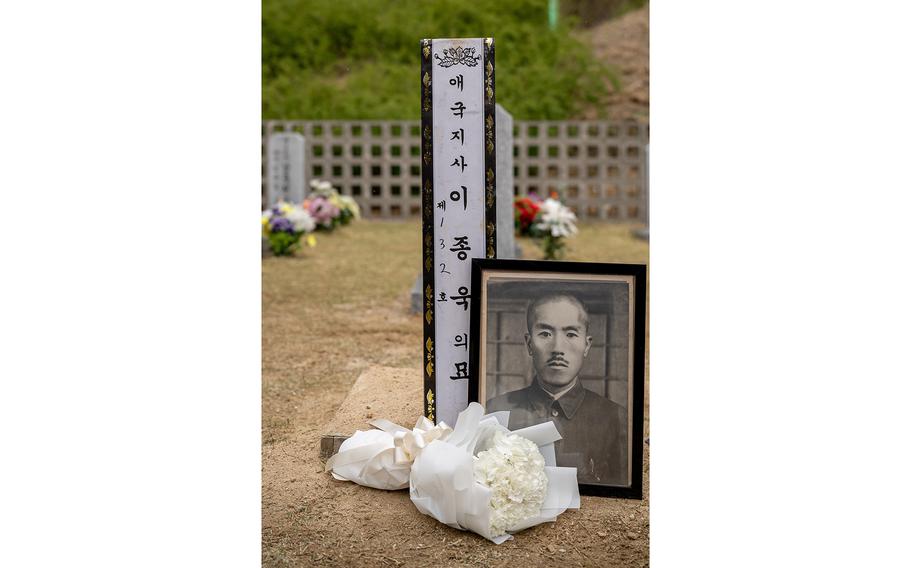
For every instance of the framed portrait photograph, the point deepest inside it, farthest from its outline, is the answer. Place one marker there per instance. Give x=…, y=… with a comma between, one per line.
x=565, y=342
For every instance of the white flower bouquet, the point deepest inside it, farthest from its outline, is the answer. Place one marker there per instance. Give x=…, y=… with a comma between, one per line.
x=553, y=223
x=479, y=477
x=513, y=469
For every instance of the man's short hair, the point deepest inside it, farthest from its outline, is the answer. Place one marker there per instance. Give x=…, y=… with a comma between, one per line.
x=555, y=297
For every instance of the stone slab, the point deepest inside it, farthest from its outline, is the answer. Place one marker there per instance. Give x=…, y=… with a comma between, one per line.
x=417, y=294
x=380, y=392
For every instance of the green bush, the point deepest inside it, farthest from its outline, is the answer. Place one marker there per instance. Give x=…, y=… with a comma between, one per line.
x=359, y=59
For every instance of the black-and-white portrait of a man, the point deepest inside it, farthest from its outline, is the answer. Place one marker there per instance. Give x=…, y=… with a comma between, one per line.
x=559, y=351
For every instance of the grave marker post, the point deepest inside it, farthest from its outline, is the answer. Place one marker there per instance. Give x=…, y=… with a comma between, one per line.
x=458, y=166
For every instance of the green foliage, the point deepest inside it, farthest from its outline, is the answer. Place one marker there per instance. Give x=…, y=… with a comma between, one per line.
x=284, y=244
x=360, y=59
x=626, y=6
x=554, y=248
x=345, y=217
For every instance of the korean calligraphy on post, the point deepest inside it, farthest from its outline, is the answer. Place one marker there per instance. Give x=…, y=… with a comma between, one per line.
x=459, y=232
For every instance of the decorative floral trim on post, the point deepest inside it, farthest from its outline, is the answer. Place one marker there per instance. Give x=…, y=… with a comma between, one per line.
x=431, y=407
x=459, y=55
x=489, y=111
x=491, y=240
x=429, y=314
x=429, y=257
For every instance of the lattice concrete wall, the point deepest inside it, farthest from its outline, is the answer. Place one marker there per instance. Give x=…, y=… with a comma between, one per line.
x=598, y=168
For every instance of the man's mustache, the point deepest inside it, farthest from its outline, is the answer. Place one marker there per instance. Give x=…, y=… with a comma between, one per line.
x=557, y=359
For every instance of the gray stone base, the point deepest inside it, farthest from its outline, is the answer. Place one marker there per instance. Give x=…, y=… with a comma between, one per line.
x=380, y=392
x=416, y=296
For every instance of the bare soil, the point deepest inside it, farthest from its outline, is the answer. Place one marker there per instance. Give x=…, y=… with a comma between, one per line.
x=623, y=44
x=338, y=310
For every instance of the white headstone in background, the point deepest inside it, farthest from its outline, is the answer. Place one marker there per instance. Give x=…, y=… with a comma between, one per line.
x=645, y=233
x=287, y=174
x=505, y=186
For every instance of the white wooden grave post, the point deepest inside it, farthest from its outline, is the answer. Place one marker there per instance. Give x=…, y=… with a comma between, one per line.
x=458, y=139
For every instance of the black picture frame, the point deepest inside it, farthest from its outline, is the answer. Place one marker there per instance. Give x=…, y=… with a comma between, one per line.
x=500, y=288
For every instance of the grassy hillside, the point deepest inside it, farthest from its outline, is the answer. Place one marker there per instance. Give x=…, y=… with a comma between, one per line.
x=350, y=59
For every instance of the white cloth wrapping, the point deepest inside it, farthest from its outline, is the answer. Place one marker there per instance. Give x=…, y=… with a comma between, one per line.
x=442, y=476
x=437, y=463
x=382, y=458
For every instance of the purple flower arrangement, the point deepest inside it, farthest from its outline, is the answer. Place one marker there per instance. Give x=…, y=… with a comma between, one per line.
x=323, y=212
x=284, y=225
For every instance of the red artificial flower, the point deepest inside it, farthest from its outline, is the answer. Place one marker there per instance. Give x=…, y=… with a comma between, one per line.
x=525, y=211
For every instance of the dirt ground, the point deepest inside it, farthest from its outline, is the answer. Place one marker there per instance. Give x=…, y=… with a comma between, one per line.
x=624, y=45
x=330, y=314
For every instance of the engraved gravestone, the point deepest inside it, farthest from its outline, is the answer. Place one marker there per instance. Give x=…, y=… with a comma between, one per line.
x=287, y=175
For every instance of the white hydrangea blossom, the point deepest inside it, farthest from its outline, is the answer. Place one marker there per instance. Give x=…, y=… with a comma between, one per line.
x=303, y=221
x=321, y=187
x=556, y=219
x=514, y=470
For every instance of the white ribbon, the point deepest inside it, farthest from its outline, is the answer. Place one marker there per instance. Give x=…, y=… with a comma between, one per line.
x=382, y=458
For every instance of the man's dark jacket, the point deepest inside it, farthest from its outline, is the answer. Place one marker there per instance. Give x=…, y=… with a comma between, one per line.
x=594, y=429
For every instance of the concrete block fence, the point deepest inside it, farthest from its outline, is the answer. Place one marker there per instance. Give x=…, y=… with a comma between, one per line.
x=597, y=167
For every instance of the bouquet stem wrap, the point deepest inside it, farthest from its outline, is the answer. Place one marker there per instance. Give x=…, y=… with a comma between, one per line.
x=437, y=463
x=382, y=458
